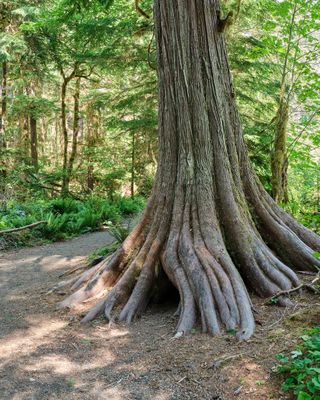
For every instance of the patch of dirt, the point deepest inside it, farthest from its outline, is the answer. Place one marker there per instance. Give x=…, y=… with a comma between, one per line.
x=48, y=354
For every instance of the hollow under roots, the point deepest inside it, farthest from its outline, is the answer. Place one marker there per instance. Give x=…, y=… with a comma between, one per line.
x=210, y=277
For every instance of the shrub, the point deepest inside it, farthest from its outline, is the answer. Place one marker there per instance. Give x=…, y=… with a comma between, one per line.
x=120, y=233
x=302, y=367
x=66, y=217
x=62, y=205
x=129, y=205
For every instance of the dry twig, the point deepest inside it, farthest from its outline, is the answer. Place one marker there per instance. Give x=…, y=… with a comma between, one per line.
x=309, y=286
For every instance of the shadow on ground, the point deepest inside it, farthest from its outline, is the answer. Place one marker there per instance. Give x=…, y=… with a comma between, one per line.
x=47, y=354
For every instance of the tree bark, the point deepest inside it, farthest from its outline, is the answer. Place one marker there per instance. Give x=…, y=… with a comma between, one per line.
x=68, y=167
x=34, y=142
x=209, y=223
x=3, y=104
x=65, y=186
x=3, y=144
x=90, y=149
x=279, y=158
x=279, y=162
x=133, y=162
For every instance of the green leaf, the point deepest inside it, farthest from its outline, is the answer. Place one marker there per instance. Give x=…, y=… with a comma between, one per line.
x=304, y=396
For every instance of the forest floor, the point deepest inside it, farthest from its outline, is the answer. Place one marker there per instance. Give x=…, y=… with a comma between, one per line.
x=47, y=354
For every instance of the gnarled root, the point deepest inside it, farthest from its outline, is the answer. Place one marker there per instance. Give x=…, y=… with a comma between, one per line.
x=189, y=245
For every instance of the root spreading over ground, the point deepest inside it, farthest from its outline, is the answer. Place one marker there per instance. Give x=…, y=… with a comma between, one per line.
x=209, y=224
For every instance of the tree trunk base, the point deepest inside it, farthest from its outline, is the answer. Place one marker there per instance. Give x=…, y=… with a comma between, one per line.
x=209, y=224
x=191, y=252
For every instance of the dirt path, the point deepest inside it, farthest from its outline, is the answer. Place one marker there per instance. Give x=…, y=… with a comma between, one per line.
x=47, y=354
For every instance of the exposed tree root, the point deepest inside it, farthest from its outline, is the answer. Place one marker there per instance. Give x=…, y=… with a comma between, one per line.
x=189, y=245
x=209, y=224
x=197, y=263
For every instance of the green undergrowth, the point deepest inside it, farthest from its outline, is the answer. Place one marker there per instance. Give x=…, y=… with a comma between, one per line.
x=65, y=217
x=119, y=232
x=301, y=368
x=307, y=215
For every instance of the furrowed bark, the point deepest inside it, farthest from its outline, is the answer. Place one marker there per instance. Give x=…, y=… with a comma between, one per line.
x=3, y=145
x=209, y=223
x=34, y=142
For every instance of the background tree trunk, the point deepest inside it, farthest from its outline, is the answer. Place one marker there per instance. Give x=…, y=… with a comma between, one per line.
x=209, y=223
x=65, y=186
x=279, y=159
x=75, y=134
x=3, y=104
x=133, y=162
x=279, y=163
x=91, y=130
x=2, y=125
x=34, y=142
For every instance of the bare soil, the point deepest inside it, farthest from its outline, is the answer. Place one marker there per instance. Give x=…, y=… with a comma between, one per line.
x=48, y=354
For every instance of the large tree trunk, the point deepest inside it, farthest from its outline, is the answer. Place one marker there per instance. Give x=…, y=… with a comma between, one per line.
x=209, y=223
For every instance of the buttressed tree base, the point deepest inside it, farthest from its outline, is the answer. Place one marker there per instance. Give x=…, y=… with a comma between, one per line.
x=209, y=223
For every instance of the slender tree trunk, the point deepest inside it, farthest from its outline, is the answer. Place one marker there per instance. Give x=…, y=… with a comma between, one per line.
x=90, y=178
x=65, y=184
x=3, y=144
x=209, y=223
x=75, y=134
x=3, y=104
x=285, y=189
x=68, y=164
x=133, y=163
x=90, y=148
x=56, y=147
x=279, y=166
x=34, y=142
x=279, y=159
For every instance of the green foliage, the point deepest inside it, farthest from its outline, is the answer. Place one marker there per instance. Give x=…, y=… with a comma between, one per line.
x=67, y=217
x=302, y=367
x=63, y=205
x=307, y=213
x=129, y=205
x=113, y=49
x=103, y=251
x=120, y=233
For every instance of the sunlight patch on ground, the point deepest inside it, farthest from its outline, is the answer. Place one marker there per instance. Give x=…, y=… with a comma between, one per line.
x=56, y=363
x=101, y=392
x=28, y=340
x=18, y=262
x=56, y=261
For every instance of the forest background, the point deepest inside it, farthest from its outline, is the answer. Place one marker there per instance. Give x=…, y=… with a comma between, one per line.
x=78, y=125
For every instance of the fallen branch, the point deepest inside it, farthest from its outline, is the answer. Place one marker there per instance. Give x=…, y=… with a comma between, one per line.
x=13, y=230
x=139, y=9
x=309, y=286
